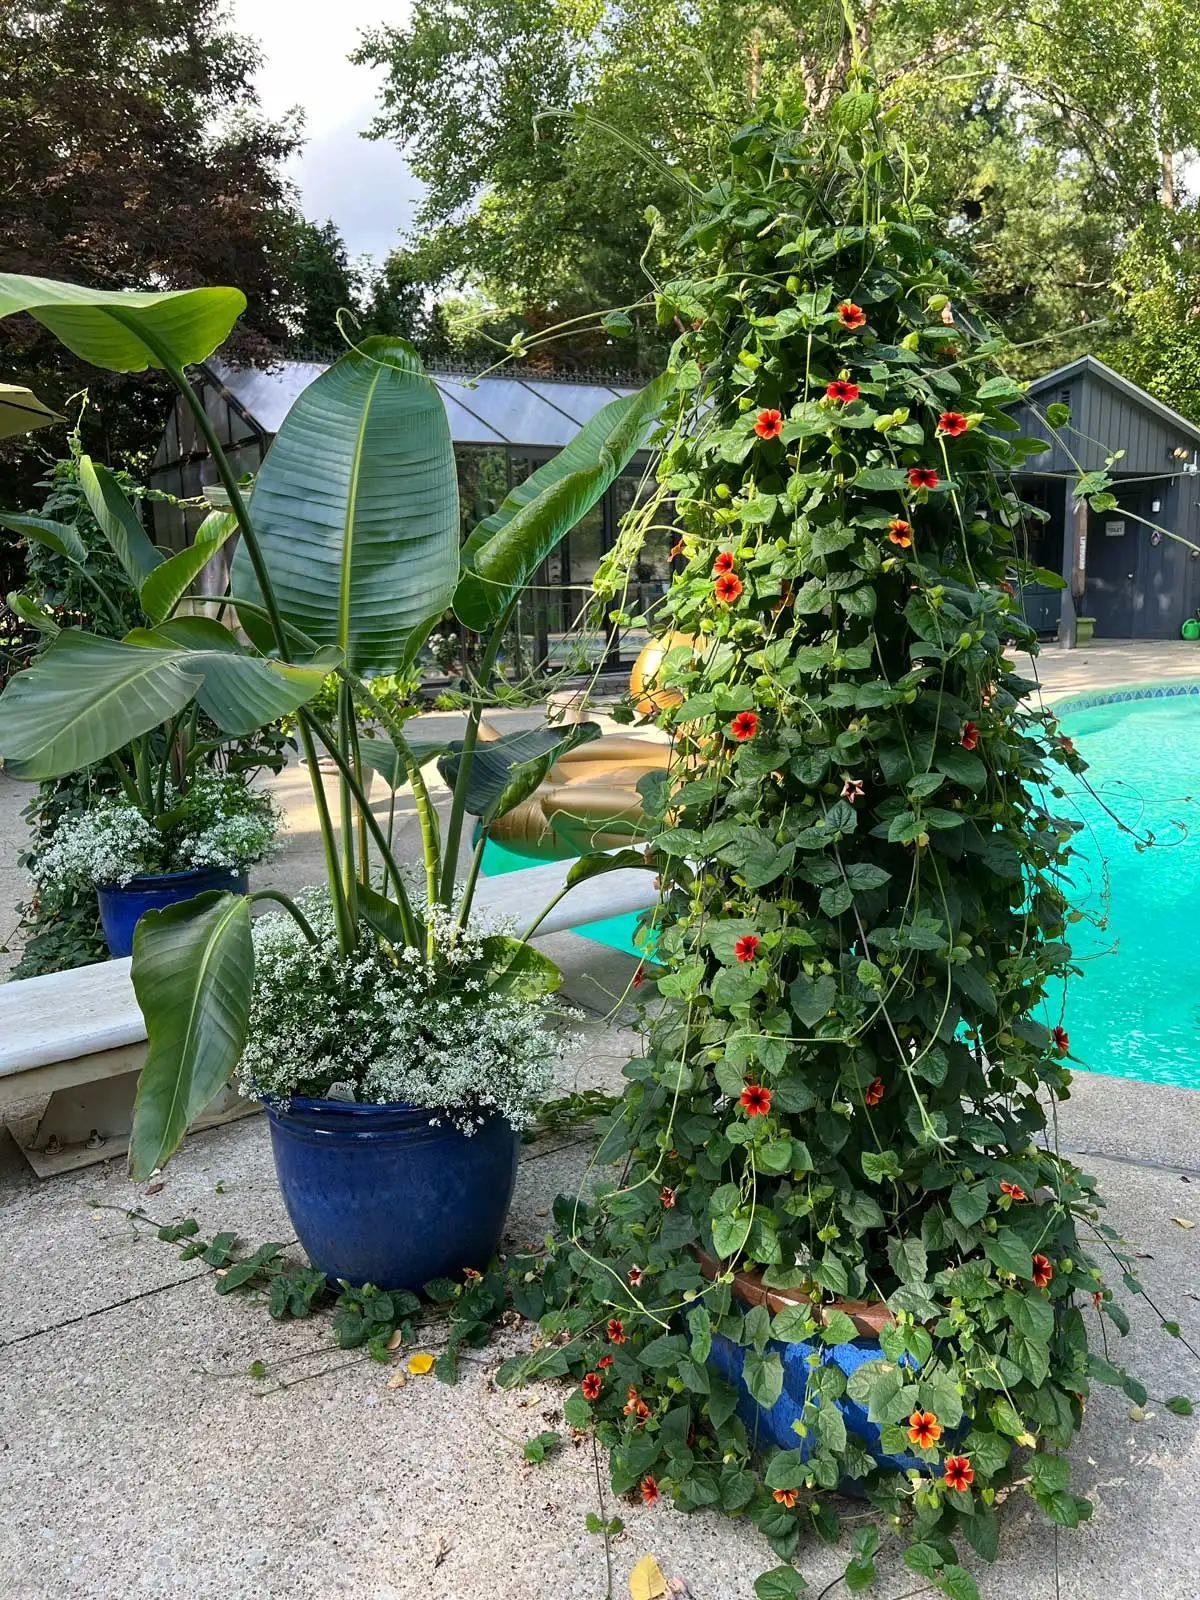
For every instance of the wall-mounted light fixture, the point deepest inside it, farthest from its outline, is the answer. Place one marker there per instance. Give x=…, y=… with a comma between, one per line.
x=1180, y=452
x=1155, y=507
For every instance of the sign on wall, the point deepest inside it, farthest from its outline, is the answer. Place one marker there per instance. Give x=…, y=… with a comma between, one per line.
x=1115, y=528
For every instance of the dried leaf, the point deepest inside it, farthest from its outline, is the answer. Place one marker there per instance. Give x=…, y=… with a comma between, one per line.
x=1182, y=1222
x=396, y=1340
x=420, y=1363
x=646, y=1581
x=397, y=1380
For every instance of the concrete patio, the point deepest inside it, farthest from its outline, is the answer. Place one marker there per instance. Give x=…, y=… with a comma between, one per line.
x=139, y=1458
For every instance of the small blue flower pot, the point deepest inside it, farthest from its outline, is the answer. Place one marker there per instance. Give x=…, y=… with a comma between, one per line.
x=382, y=1195
x=122, y=905
x=773, y=1425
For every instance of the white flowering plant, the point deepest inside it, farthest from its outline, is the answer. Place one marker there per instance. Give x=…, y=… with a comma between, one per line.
x=218, y=821
x=386, y=1024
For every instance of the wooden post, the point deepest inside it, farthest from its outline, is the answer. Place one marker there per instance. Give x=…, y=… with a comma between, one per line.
x=1075, y=572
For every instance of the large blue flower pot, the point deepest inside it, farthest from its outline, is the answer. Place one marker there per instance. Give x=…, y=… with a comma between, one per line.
x=122, y=905
x=773, y=1425
x=382, y=1195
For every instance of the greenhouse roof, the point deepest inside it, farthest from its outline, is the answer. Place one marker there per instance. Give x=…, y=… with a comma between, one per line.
x=507, y=410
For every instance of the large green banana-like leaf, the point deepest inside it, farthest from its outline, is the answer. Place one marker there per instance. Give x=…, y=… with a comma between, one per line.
x=21, y=411
x=239, y=691
x=356, y=507
x=162, y=591
x=507, y=770
x=193, y=972
x=506, y=549
x=119, y=521
x=86, y=697
x=32, y=614
x=104, y=326
x=57, y=536
x=383, y=758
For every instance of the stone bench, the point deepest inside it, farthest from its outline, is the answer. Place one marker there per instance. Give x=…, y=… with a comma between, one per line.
x=79, y=1038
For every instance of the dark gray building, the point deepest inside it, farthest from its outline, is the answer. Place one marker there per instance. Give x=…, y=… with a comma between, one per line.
x=1135, y=580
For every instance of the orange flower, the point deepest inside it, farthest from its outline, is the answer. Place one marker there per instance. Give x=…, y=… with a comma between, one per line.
x=924, y=1429
x=768, y=424
x=591, y=1386
x=676, y=550
x=1042, y=1271
x=786, y=1497
x=746, y=948
x=853, y=790
x=631, y=1401
x=1065, y=745
x=952, y=423
x=744, y=726
x=634, y=1277
x=616, y=1331
x=850, y=315
x=1014, y=1191
x=841, y=391
x=639, y=975
x=960, y=1474
x=727, y=587
x=1062, y=1041
x=923, y=478
x=754, y=1100
x=604, y=1361
x=667, y=1196
x=900, y=532
x=470, y=1274
x=970, y=736
x=722, y=562
x=649, y=1490
x=873, y=1093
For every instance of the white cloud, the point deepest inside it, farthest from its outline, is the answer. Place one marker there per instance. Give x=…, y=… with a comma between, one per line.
x=364, y=186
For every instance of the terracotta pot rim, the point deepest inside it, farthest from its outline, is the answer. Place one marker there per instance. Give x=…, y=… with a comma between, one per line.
x=869, y=1319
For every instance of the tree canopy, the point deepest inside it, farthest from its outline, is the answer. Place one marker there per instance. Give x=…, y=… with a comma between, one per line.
x=1050, y=135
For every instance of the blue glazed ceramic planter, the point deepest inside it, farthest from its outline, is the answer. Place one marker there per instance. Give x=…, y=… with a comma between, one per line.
x=773, y=1425
x=122, y=905
x=378, y=1194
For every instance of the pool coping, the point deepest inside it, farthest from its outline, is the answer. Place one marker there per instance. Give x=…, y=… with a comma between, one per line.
x=1071, y=701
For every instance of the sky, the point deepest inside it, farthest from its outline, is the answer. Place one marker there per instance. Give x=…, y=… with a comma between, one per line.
x=363, y=185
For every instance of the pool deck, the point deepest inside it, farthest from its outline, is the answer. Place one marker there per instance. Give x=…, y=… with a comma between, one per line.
x=139, y=1458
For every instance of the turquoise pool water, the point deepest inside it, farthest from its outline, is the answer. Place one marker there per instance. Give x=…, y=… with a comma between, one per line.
x=1135, y=1009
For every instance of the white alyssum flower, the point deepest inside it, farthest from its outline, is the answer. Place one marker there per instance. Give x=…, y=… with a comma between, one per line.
x=395, y=1026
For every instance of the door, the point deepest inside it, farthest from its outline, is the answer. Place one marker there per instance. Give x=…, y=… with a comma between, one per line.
x=1161, y=601
x=1111, y=570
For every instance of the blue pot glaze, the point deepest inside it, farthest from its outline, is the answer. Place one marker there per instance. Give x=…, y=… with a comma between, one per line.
x=773, y=1425
x=121, y=906
x=379, y=1195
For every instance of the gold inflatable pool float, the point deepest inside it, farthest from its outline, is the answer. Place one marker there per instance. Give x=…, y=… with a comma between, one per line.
x=589, y=800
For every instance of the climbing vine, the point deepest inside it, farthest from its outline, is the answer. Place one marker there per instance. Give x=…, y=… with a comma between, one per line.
x=843, y=1118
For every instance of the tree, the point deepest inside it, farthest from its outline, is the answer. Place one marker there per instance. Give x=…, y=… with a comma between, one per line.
x=1047, y=133
x=134, y=156
x=324, y=282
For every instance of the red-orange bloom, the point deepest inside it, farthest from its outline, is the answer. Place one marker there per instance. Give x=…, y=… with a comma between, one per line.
x=850, y=315
x=873, y=1093
x=924, y=1429
x=1042, y=1271
x=768, y=424
x=591, y=1386
x=754, y=1100
x=723, y=561
x=900, y=532
x=970, y=736
x=631, y=1401
x=616, y=1331
x=649, y=1490
x=1014, y=1191
x=1062, y=1041
x=667, y=1196
x=727, y=587
x=604, y=1361
x=746, y=948
x=639, y=975
x=786, y=1497
x=634, y=1276
x=853, y=790
x=744, y=726
x=960, y=1474
x=952, y=423
x=472, y=1275
x=1065, y=745
x=676, y=550
x=841, y=391
x=923, y=478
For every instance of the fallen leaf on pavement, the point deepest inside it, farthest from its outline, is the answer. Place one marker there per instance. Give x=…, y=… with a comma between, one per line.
x=1182, y=1222
x=646, y=1581
x=396, y=1340
x=420, y=1363
x=397, y=1380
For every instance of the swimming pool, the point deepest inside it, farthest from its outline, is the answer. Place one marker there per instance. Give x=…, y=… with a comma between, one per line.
x=1135, y=1009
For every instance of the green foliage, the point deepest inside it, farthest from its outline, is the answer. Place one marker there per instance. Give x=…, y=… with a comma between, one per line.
x=857, y=772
